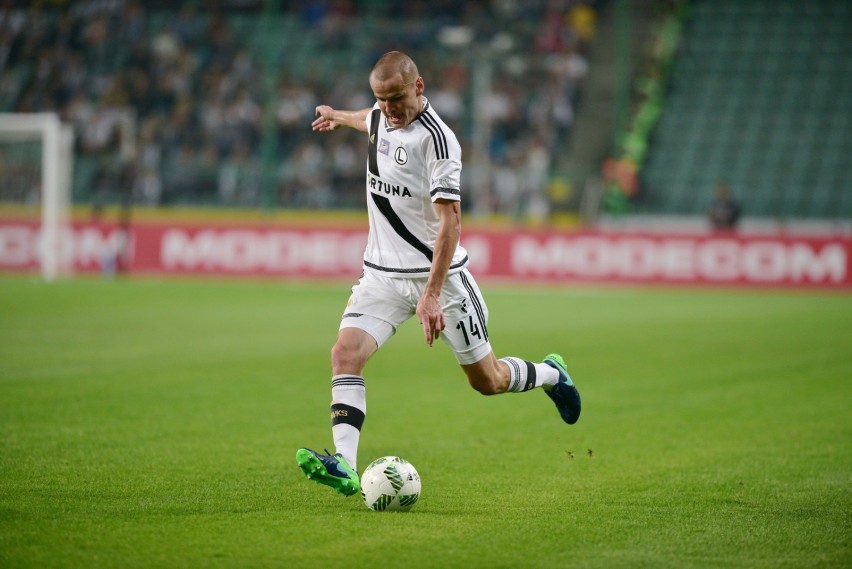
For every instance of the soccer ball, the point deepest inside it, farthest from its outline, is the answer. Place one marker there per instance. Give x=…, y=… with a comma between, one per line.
x=390, y=483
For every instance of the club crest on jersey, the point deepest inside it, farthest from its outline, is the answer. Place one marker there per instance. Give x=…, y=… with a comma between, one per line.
x=384, y=147
x=400, y=155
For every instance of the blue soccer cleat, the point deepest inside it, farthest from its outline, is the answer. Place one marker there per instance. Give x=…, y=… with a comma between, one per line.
x=564, y=394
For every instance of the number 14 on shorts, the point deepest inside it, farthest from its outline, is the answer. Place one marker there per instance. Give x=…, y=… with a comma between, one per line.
x=469, y=328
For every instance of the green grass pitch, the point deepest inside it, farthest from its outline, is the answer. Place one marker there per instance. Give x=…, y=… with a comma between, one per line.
x=154, y=424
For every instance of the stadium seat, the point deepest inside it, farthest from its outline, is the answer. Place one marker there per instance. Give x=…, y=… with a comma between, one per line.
x=759, y=98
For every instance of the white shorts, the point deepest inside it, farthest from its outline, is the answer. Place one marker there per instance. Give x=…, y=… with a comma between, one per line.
x=380, y=304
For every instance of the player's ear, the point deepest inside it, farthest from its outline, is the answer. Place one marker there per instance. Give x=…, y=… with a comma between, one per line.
x=419, y=86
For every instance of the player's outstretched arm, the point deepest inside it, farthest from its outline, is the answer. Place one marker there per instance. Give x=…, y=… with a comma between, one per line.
x=329, y=119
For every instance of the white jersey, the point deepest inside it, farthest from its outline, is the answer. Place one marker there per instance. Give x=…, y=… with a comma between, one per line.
x=408, y=169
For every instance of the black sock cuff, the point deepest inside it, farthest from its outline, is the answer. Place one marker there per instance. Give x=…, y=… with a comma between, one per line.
x=347, y=414
x=530, y=376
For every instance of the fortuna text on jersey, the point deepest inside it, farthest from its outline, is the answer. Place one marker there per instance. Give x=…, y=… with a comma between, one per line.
x=378, y=186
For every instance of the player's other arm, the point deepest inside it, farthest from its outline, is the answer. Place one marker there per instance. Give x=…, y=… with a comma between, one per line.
x=329, y=119
x=429, y=311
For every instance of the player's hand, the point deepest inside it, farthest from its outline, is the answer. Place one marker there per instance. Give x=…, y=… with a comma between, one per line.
x=325, y=120
x=431, y=317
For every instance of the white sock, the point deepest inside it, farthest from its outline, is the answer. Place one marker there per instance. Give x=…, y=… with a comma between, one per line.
x=348, y=410
x=524, y=375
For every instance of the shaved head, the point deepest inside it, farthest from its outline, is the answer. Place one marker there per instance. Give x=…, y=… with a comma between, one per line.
x=398, y=87
x=395, y=63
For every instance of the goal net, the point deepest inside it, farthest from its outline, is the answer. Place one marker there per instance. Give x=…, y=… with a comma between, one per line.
x=36, y=166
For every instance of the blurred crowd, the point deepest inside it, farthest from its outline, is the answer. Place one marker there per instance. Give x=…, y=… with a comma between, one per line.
x=172, y=104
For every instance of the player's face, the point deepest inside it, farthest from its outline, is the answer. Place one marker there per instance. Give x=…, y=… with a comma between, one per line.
x=398, y=100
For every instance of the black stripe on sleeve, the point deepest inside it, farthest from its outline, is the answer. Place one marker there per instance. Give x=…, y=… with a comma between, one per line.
x=444, y=191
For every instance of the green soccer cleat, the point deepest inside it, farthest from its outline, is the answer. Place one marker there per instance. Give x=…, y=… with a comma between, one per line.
x=564, y=394
x=328, y=469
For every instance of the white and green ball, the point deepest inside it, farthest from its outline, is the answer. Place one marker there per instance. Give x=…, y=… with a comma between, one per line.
x=390, y=483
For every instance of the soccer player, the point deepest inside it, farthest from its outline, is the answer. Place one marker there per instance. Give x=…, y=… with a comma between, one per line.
x=413, y=265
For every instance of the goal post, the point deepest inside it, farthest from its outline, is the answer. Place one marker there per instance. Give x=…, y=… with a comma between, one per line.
x=57, y=159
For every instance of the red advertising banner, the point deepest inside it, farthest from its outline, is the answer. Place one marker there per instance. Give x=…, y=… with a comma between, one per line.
x=514, y=256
